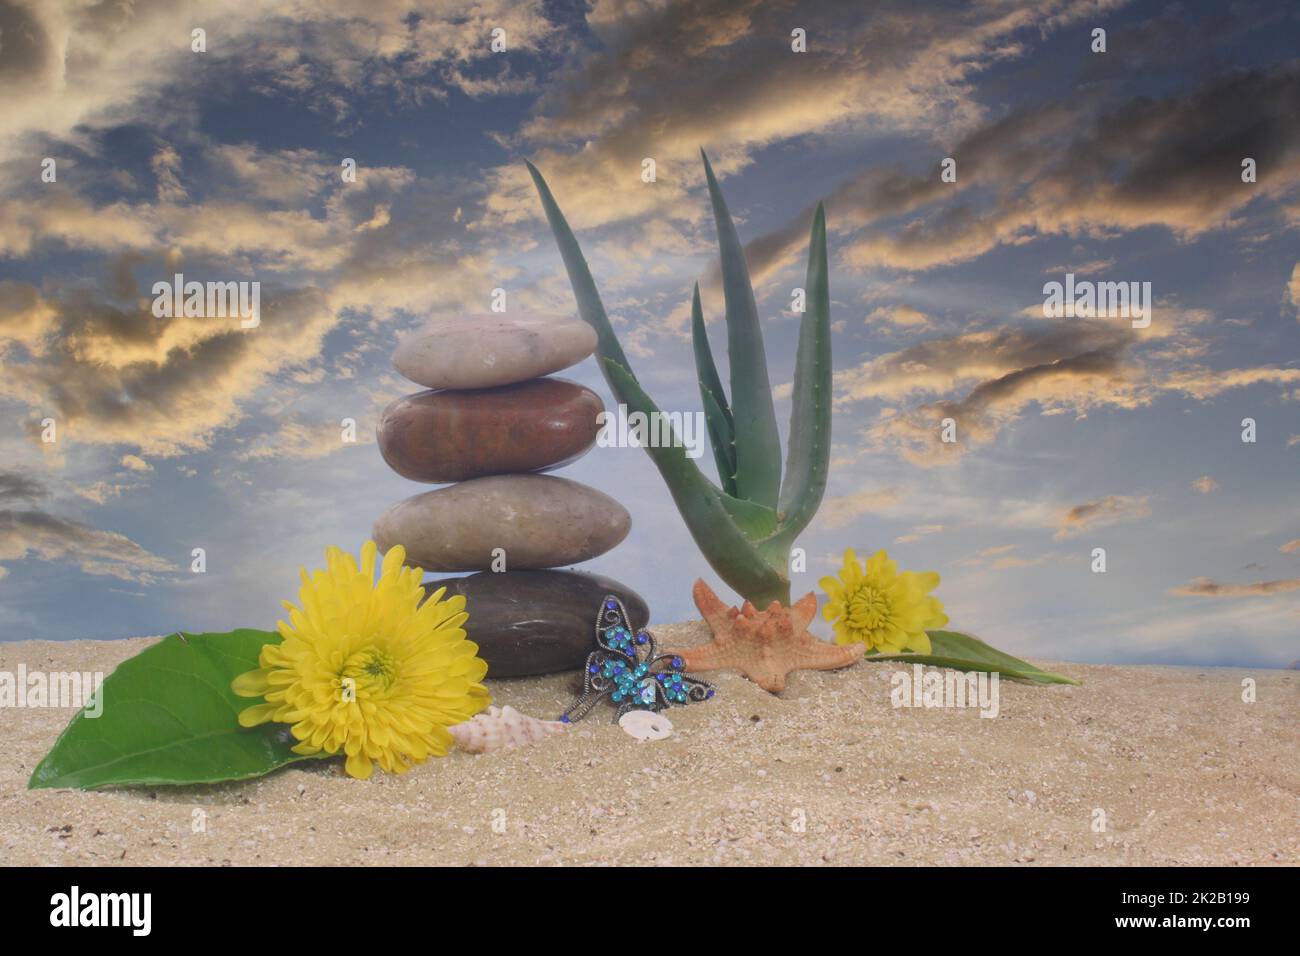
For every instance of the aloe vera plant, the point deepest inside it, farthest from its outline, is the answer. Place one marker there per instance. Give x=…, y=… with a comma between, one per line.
x=746, y=525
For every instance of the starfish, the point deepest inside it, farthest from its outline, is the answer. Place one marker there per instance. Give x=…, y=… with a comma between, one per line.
x=765, y=646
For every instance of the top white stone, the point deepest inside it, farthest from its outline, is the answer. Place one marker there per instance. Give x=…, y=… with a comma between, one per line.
x=486, y=350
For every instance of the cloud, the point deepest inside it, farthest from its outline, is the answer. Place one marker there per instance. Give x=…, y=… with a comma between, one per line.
x=1079, y=167
x=111, y=372
x=289, y=176
x=636, y=92
x=166, y=166
x=17, y=487
x=903, y=315
x=62, y=216
x=1168, y=162
x=919, y=532
x=1112, y=509
x=1203, y=383
x=50, y=538
x=113, y=375
x=1002, y=558
x=1205, y=485
x=102, y=491
x=135, y=463
x=1061, y=368
x=836, y=512
x=1291, y=547
x=24, y=315
x=1204, y=587
x=1086, y=268
x=71, y=69
x=299, y=440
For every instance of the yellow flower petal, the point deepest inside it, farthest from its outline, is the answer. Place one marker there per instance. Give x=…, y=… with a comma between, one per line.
x=876, y=605
x=365, y=669
x=359, y=766
x=251, y=684
x=257, y=714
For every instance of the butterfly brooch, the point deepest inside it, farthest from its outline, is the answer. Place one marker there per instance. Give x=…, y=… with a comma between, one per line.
x=627, y=668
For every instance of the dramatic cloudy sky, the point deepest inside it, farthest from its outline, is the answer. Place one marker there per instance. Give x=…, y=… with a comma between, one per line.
x=1075, y=434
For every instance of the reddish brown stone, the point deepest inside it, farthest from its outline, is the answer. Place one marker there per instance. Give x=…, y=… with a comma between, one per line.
x=441, y=436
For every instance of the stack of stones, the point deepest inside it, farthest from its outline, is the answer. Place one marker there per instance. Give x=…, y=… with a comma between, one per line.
x=490, y=423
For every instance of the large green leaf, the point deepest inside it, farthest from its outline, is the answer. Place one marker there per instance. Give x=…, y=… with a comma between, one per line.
x=170, y=717
x=758, y=444
x=809, y=454
x=707, y=511
x=966, y=653
x=590, y=306
x=717, y=413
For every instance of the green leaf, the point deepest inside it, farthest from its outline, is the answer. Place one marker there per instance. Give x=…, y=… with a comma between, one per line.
x=756, y=521
x=170, y=717
x=966, y=653
x=719, y=537
x=722, y=428
x=590, y=307
x=758, y=444
x=809, y=454
x=724, y=446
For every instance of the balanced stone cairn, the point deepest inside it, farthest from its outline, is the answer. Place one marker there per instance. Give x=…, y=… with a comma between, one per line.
x=490, y=423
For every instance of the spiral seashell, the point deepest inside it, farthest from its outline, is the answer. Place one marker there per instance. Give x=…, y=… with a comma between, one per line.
x=501, y=728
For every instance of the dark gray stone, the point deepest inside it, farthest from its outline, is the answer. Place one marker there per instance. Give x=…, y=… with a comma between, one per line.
x=536, y=622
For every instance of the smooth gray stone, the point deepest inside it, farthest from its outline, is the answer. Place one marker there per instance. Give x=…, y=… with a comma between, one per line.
x=483, y=351
x=540, y=521
x=536, y=622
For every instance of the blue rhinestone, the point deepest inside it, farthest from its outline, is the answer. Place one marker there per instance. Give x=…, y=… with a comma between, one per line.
x=610, y=605
x=564, y=718
x=709, y=694
x=677, y=663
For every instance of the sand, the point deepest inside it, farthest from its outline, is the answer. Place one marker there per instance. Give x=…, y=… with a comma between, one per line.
x=827, y=773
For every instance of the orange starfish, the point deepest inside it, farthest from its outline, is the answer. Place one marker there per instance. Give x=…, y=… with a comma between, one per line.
x=765, y=646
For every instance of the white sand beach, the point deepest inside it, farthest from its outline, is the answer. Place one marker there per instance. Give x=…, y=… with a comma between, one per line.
x=828, y=773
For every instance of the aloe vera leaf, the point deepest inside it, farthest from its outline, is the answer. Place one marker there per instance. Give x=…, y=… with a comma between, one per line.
x=755, y=520
x=809, y=452
x=758, y=444
x=968, y=653
x=590, y=307
x=723, y=544
x=722, y=444
x=717, y=414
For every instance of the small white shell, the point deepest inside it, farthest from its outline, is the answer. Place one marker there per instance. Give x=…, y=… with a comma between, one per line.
x=645, y=725
x=501, y=728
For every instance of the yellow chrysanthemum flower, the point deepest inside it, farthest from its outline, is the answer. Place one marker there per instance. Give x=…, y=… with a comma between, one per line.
x=881, y=608
x=366, y=669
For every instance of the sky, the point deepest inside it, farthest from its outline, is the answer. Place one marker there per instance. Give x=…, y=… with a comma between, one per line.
x=1073, y=433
